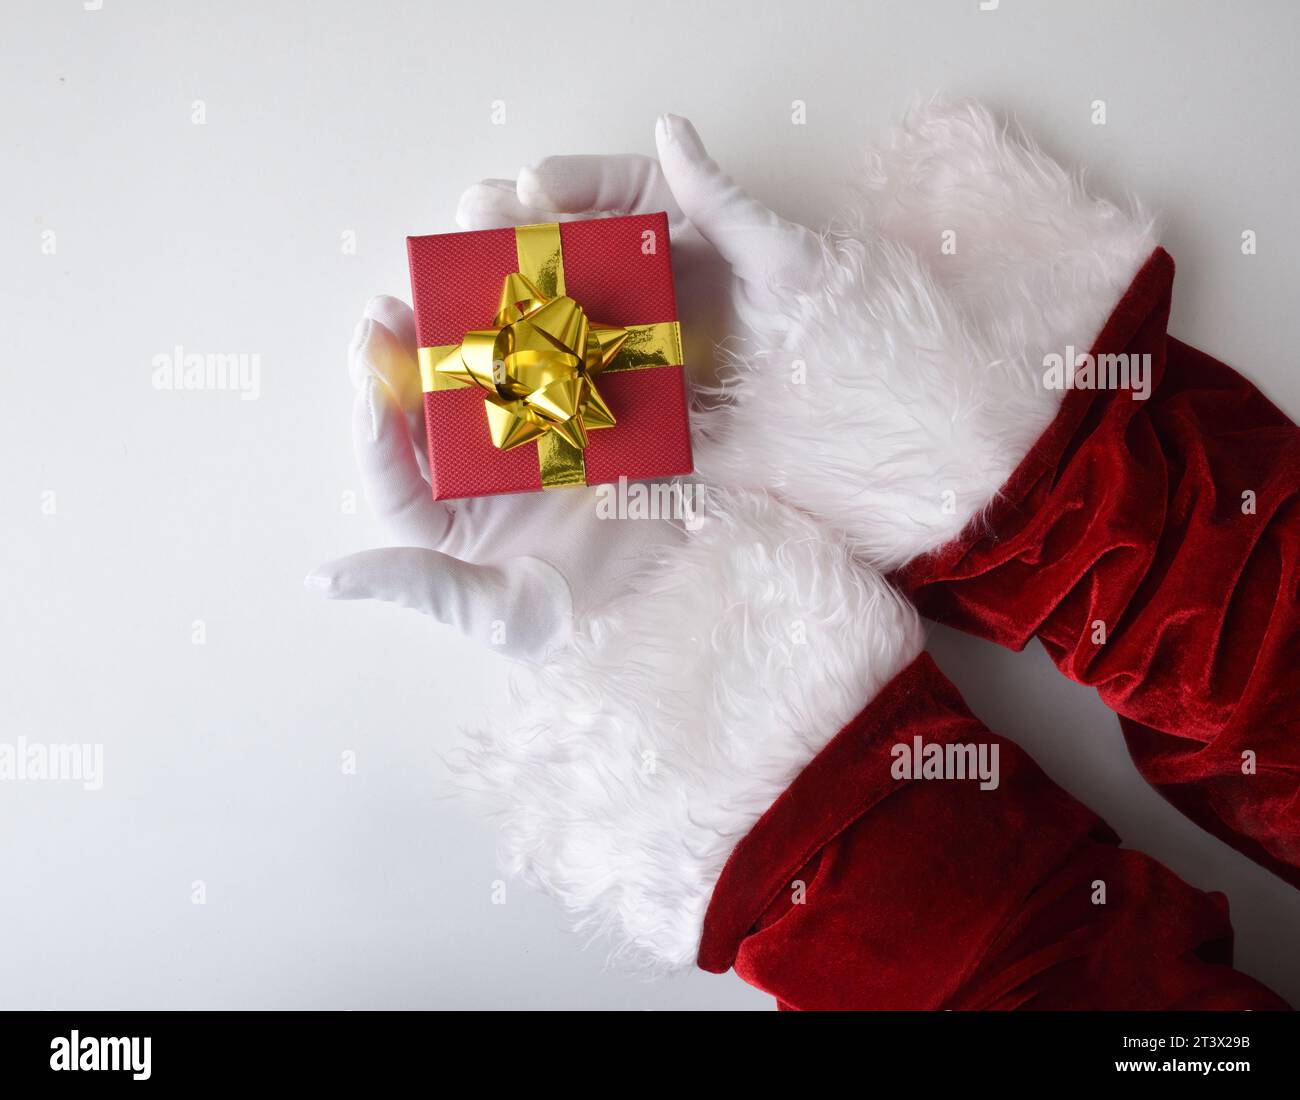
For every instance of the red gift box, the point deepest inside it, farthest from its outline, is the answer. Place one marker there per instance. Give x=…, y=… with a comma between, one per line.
x=619, y=271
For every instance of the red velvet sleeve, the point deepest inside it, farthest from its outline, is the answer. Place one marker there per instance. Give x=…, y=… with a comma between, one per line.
x=1153, y=547
x=861, y=889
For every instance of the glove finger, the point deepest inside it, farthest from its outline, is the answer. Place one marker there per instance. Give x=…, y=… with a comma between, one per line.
x=521, y=606
x=383, y=347
x=390, y=470
x=494, y=204
x=623, y=183
x=763, y=248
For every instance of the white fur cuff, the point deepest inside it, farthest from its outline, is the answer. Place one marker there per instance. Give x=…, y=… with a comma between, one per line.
x=645, y=751
x=911, y=384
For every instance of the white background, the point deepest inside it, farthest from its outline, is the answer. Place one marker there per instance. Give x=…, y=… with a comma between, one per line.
x=222, y=761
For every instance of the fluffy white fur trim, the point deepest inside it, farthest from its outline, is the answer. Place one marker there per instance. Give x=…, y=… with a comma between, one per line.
x=648, y=748
x=911, y=384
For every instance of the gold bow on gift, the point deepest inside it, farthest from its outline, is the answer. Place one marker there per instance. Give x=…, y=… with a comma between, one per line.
x=538, y=366
x=539, y=362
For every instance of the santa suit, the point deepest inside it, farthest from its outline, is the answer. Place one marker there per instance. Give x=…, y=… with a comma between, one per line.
x=936, y=894
x=710, y=772
x=1154, y=548
x=1149, y=544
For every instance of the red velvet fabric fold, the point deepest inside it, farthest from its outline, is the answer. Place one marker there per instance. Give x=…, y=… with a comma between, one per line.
x=1153, y=547
x=858, y=890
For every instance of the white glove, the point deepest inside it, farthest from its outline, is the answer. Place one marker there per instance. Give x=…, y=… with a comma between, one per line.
x=509, y=571
x=516, y=571
x=731, y=254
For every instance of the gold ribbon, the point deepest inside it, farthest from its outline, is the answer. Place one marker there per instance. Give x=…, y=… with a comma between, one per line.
x=539, y=362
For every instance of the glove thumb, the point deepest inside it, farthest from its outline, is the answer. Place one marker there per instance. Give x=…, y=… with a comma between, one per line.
x=763, y=249
x=521, y=606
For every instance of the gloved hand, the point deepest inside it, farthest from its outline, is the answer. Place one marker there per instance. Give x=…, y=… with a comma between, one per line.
x=516, y=571
x=509, y=571
x=731, y=255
